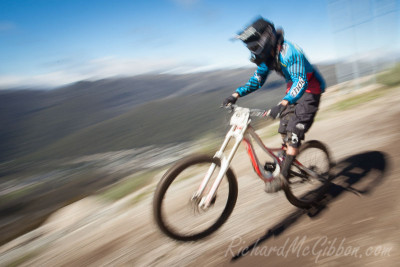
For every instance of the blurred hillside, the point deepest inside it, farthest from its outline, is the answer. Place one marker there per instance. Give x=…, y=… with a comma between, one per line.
x=108, y=115
x=26, y=204
x=60, y=145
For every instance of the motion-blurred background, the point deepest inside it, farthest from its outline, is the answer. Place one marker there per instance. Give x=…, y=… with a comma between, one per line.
x=97, y=96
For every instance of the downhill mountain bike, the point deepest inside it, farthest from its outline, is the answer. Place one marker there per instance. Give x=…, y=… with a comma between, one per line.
x=205, y=186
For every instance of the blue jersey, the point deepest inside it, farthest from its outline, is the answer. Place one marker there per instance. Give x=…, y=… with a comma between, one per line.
x=300, y=75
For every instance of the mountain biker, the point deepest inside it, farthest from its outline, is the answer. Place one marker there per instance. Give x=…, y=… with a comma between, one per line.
x=269, y=51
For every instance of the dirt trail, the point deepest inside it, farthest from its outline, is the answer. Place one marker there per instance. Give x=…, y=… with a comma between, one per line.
x=357, y=226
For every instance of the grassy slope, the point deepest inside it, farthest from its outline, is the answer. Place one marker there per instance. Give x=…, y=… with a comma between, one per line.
x=89, y=117
x=158, y=122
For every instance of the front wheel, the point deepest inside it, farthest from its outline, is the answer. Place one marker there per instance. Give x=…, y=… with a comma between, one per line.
x=176, y=210
x=309, y=175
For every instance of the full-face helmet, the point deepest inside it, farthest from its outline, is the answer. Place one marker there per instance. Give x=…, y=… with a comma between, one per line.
x=260, y=38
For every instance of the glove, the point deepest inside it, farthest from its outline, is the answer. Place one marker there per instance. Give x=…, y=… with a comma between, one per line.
x=276, y=111
x=229, y=101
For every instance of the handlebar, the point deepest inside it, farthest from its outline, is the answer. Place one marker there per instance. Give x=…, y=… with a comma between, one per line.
x=252, y=112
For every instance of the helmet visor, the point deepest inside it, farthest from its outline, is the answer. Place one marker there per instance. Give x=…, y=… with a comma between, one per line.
x=262, y=45
x=256, y=47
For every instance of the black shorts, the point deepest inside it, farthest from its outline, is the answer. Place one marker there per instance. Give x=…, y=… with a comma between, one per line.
x=297, y=119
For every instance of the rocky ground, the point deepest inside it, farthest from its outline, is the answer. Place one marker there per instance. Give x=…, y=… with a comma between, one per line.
x=357, y=225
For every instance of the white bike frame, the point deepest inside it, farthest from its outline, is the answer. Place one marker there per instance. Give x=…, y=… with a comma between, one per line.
x=240, y=130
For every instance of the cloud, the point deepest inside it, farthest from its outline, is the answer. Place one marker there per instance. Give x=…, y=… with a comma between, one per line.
x=47, y=80
x=69, y=70
x=97, y=69
x=112, y=66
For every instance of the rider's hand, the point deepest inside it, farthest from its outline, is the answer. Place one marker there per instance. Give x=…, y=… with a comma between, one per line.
x=230, y=100
x=276, y=111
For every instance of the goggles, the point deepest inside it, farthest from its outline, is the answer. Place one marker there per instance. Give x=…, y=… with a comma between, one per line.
x=257, y=47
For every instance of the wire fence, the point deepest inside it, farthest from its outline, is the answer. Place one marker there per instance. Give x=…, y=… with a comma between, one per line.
x=366, y=36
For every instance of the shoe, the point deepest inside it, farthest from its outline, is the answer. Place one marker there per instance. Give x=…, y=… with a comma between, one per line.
x=274, y=186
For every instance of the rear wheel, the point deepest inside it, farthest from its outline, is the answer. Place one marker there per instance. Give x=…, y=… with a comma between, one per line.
x=176, y=210
x=309, y=175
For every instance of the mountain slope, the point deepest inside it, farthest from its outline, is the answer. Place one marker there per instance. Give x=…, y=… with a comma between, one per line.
x=43, y=121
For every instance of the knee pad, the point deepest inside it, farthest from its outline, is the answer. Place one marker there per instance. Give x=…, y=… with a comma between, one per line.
x=293, y=140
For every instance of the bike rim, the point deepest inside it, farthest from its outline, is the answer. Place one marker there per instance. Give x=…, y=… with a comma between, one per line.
x=181, y=215
x=304, y=188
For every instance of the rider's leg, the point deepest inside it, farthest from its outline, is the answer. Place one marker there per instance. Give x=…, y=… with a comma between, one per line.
x=291, y=154
x=292, y=150
x=297, y=126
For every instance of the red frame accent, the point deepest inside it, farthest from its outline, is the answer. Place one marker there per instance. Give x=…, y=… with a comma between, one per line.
x=250, y=151
x=252, y=156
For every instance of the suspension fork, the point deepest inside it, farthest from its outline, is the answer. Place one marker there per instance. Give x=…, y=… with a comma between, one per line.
x=236, y=133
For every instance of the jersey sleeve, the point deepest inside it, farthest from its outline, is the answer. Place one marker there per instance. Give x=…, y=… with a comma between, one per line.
x=256, y=81
x=298, y=75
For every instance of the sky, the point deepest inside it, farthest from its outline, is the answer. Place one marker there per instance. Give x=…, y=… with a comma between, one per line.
x=55, y=42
